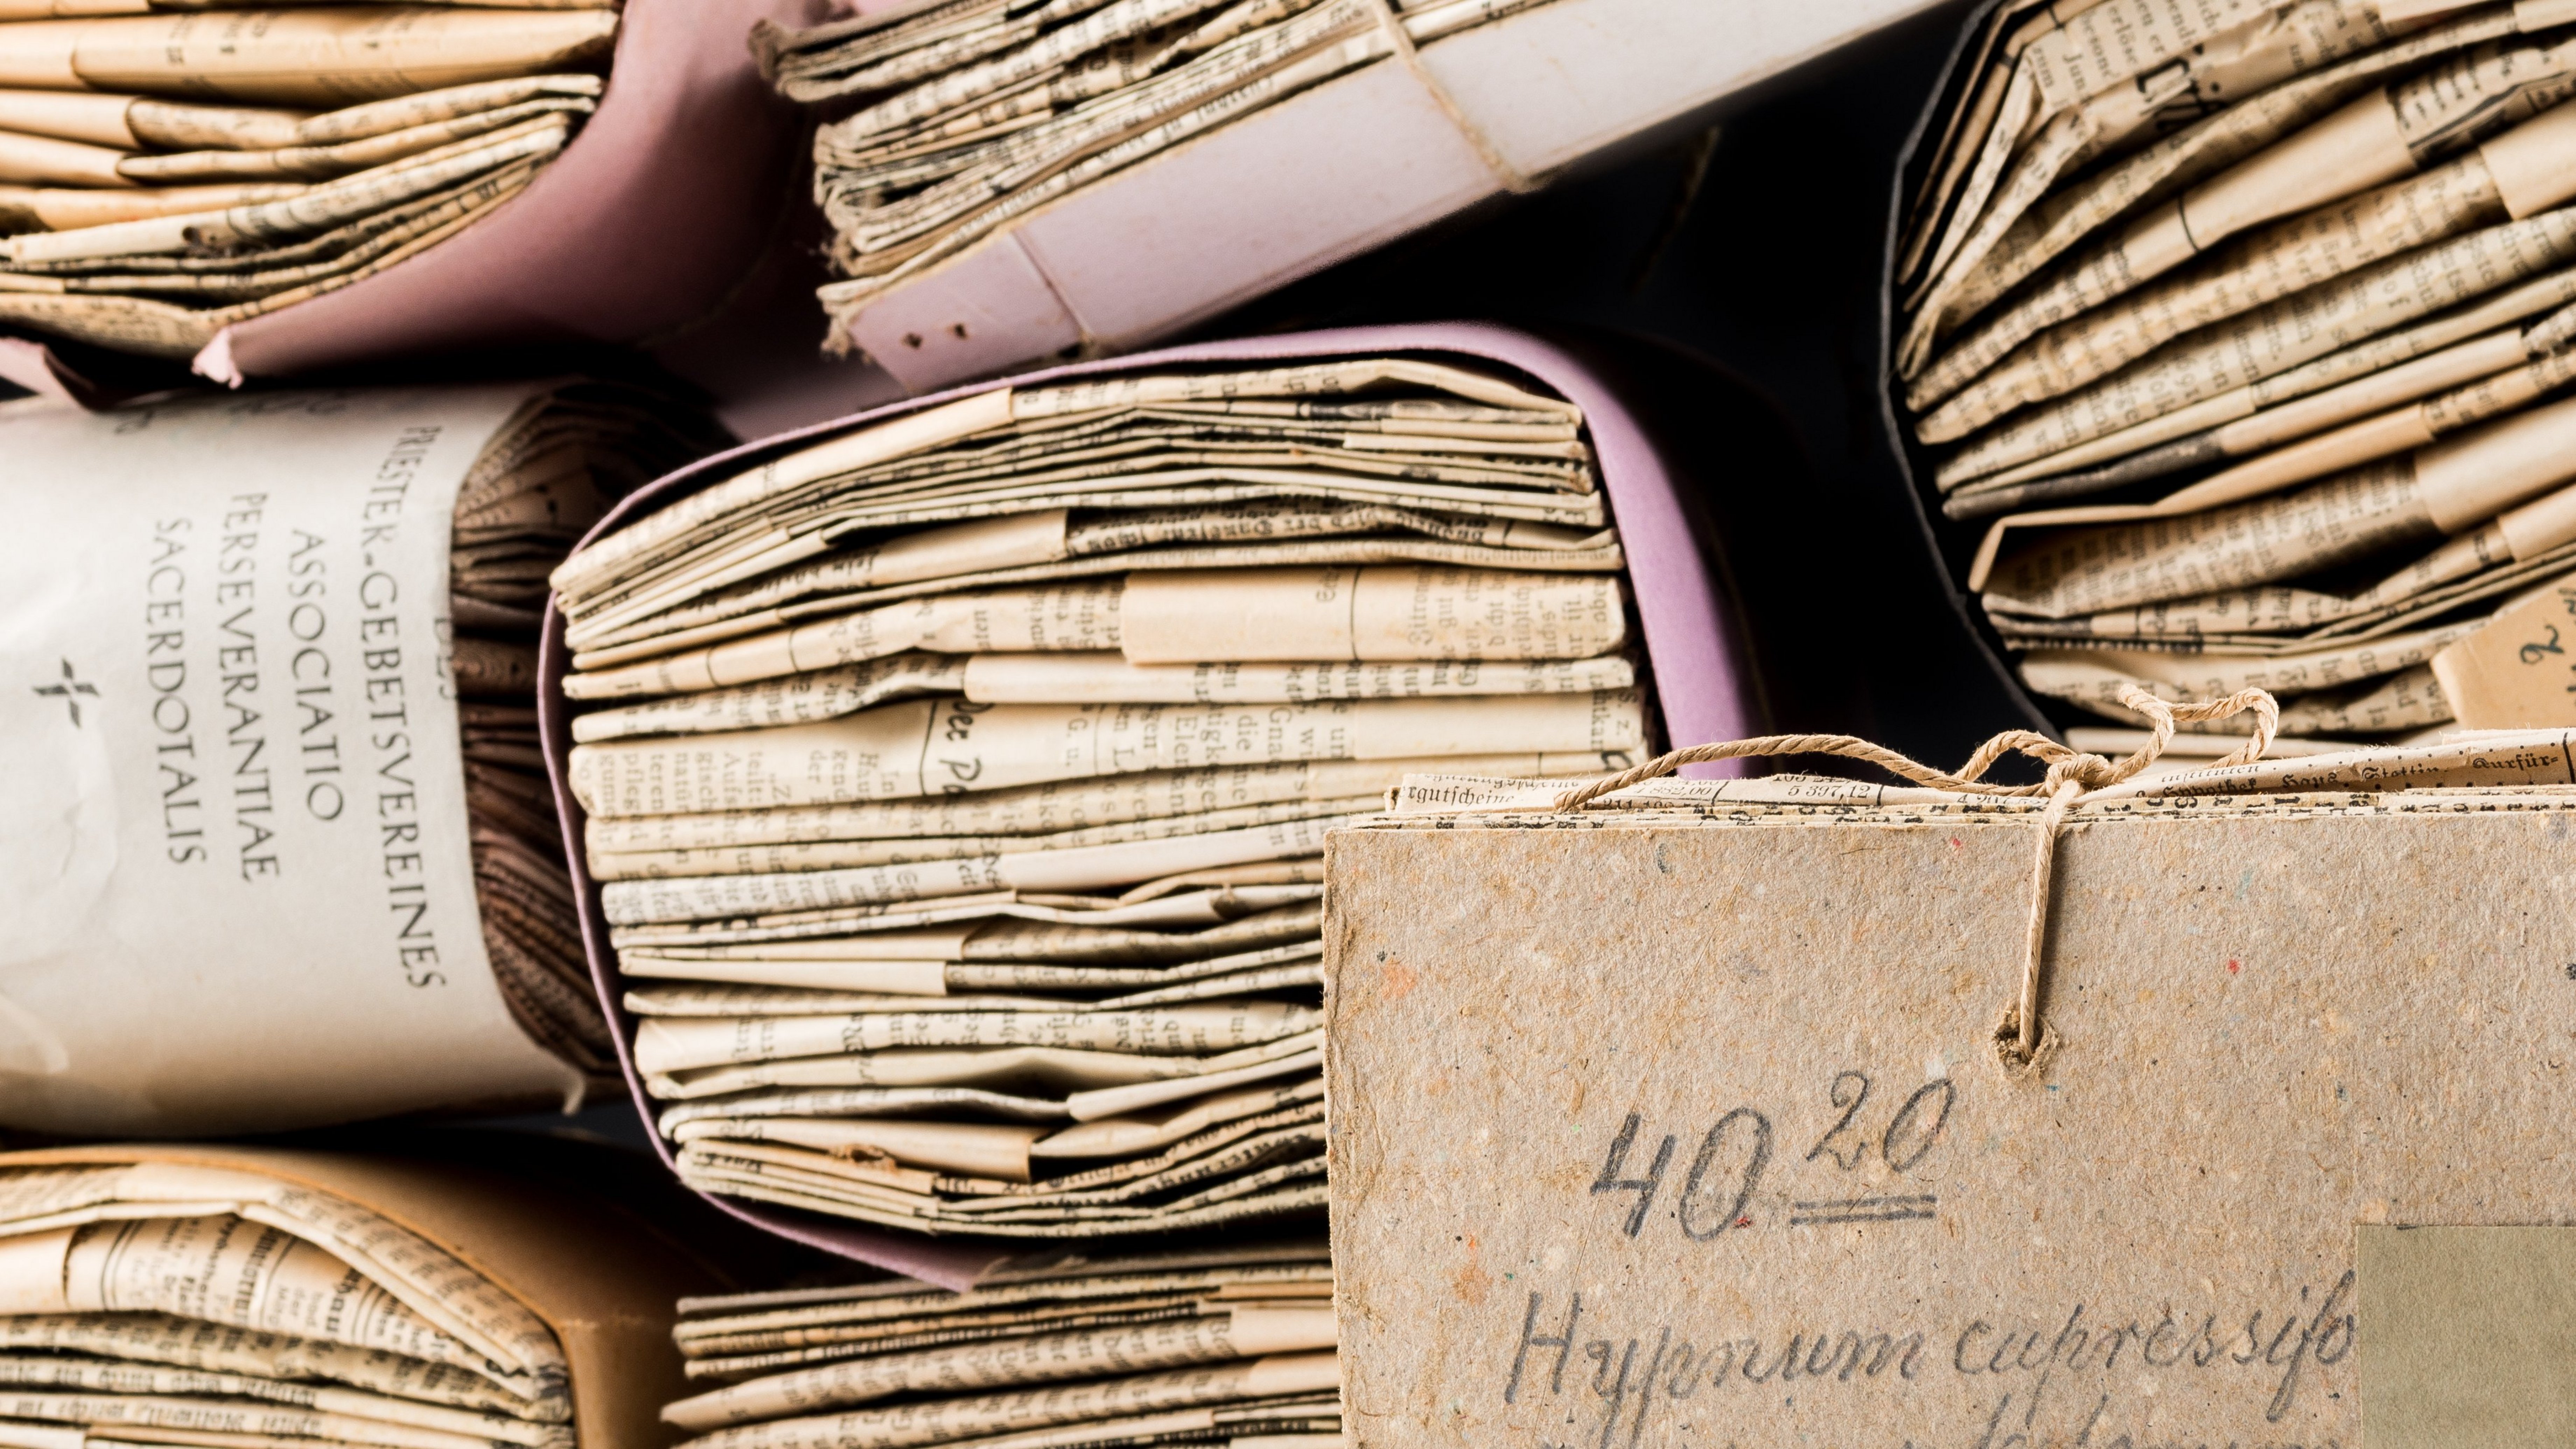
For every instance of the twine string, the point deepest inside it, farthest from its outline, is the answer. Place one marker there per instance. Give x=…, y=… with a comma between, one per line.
x=1510, y=177
x=2071, y=776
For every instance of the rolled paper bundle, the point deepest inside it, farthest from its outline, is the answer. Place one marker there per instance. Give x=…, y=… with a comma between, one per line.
x=954, y=781
x=2261, y=389
x=283, y=850
x=174, y=173
x=1228, y=1343
x=1227, y=608
x=2517, y=175
x=366, y=1301
x=954, y=121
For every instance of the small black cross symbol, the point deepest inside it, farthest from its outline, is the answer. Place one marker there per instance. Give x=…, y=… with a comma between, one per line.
x=69, y=691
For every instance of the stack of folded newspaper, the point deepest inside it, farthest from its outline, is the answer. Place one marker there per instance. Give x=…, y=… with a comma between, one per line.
x=163, y=175
x=958, y=781
x=176, y=1304
x=2281, y=293
x=539, y=484
x=1227, y=1345
x=974, y=113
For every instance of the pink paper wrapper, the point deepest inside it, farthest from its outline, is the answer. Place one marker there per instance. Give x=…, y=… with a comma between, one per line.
x=1700, y=679
x=661, y=205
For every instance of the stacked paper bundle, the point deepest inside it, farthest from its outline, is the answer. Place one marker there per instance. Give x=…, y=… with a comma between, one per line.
x=175, y=1304
x=2278, y=290
x=880, y=727
x=165, y=175
x=541, y=482
x=974, y=113
x=1230, y=1345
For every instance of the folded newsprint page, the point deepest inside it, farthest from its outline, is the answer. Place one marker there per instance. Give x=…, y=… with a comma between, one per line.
x=232, y=1298
x=2287, y=1164
x=957, y=782
x=956, y=119
x=166, y=171
x=1225, y=1344
x=2241, y=332
x=280, y=849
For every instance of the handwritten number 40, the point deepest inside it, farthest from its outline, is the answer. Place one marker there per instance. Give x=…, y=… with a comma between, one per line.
x=1745, y=1136
x=1754, y=1127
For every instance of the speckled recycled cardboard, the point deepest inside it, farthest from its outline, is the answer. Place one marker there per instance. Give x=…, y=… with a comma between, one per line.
x=1685, y=1129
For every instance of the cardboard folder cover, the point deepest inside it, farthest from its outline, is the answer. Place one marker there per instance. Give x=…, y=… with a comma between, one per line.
x=1336, y=170
x=1690, y=1127
x=600, y=1274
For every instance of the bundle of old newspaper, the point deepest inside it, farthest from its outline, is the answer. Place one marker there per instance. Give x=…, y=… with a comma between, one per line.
x=282, y=850
x=538, y=485
x=2283, y=293
x=1219, y=1345
x=466, y=1296
x=881, y=723
x=165, y=174
x=974, y=113
x=177, y=1304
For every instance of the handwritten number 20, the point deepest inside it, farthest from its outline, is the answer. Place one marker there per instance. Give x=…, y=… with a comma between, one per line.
x=1910, y=1133
x=1909, y=1136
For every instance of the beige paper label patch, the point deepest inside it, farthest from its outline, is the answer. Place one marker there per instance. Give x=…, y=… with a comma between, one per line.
x=2519, y=671
x=1655, y=1132
x=2472, y=1337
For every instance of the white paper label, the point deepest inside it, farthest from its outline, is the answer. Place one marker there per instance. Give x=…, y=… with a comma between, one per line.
x=234, y=861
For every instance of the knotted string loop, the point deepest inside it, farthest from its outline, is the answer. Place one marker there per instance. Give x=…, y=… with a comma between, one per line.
x=2064, y=764
x=2071, y=775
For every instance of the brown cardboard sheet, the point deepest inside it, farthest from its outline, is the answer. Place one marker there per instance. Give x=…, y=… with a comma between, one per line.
x=1689, y=1128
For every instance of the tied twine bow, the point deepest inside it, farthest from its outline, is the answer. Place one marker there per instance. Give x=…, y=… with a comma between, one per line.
x=2072, y=775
